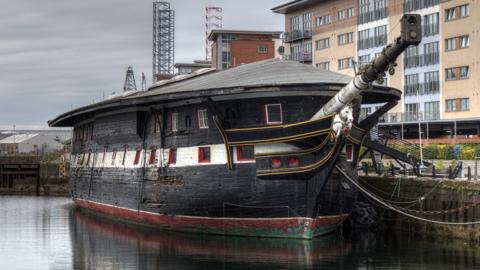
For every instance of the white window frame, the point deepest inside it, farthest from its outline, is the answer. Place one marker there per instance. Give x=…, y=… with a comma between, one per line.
x=202, y=118
x=263, y=49
x=267, y=121
x=174, y=118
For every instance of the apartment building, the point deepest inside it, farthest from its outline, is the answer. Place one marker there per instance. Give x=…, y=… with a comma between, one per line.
x=440, y=78
x=235, y=47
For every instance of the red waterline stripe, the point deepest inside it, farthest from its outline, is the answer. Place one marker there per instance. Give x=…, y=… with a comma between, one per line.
x=192, y=223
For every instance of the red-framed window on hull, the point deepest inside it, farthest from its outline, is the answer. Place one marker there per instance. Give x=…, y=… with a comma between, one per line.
x=153, y=154
x=245, y=153
x=136, y=160
x=204, y=155
x=273, y=114
x=172, y=156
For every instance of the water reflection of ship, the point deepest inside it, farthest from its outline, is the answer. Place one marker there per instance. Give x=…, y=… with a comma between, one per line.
x=103, y=243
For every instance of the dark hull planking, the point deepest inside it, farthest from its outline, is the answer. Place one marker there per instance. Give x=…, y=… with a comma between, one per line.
x=207, y=198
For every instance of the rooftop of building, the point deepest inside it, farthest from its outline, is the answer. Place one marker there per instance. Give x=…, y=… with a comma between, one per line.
x=196, y=63
x=18, y=138
x=215, y=32
x=295, y=5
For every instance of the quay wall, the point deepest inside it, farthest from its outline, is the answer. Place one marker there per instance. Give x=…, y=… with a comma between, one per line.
x=28, y=175
x=444, y=200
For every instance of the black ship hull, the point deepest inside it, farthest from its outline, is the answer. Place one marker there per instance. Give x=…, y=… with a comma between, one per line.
x=237, y=162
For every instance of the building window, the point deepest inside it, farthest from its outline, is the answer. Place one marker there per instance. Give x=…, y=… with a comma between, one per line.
x=263, y=49
x=464, y=11
x=464, y=42
x=307, y=21
x=457, y=73
x=202, y=119
x=345, y=38
x=363, y=39
x=204, y=155
x=345, y=63
x=138, y=153
x=323, y=20
x=153, y=155
x=172, y=156
x=431, y=53
x=430, y=26
x=457, y=12
x=363, y=60
x=450, y=44
x=324, y=65
x=380, y=36
x=322, y=43
x=450, y=105
x=457, y=43
x=412, y=87
x=174, y=122
x=432, y=110
x=246, y=152
x=431, y=82
x=273, y=114
x=345, y=13
x=464, y=104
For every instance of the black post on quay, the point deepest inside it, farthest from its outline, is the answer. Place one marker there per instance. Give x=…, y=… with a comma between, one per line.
x=469, y=173
x=449, y=171
x=434, y=173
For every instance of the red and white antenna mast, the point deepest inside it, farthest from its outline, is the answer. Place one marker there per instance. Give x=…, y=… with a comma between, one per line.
x=213, y=20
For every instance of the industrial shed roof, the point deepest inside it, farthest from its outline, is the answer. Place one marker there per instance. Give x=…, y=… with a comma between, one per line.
x=18, y=138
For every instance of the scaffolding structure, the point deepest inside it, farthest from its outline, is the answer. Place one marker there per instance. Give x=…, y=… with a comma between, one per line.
x=213, y=20
x=130, y=84
x=163, y=39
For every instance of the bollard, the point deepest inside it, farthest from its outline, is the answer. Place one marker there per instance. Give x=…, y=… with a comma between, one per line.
x=405, y=170
x=366, y=169
x=469, y=173
x=392, y=169
x=434, y=173
x=449, y=171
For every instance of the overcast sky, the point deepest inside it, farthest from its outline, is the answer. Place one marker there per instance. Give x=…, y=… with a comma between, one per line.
x=60, y=54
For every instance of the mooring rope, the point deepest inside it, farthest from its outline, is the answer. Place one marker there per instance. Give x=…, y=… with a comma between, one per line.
x=393, y=208
x=413, y=200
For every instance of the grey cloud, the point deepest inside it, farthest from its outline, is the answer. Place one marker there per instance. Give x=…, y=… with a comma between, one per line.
x=59, y=54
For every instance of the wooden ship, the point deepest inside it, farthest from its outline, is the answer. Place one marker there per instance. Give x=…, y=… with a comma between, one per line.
x=248, y=151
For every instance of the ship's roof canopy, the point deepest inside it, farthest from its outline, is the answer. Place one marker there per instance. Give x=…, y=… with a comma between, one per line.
x=267, y=75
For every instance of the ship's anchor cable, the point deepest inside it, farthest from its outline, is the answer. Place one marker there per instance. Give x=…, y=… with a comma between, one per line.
x=398, y=209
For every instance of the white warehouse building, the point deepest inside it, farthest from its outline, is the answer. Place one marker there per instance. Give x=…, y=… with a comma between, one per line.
x=28, y=143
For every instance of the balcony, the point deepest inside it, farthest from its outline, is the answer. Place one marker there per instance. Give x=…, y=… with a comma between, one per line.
x=410, y=117
x=373, y=15
x=376, y=41
x=412, y=5
x=297, y=35
x=430, y=29
x=305, y=57
x=421, y=60
x=426, y=88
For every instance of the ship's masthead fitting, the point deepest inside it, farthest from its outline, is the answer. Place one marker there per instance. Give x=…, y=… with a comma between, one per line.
x=411, y=34
x=130, y=84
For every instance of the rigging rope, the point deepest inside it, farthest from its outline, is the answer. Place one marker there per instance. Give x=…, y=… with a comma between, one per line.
x=398, y=210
